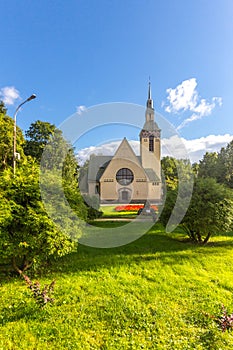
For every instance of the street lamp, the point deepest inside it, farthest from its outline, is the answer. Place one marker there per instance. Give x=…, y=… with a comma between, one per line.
x=14, y=137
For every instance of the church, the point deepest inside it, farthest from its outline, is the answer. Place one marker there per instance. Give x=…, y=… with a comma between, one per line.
x=126, y=177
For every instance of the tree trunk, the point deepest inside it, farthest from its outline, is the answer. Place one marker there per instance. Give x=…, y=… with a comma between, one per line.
x=25, y=265
x=207, y=238
x=199, y=237
x=192, y=236
x=16, y=268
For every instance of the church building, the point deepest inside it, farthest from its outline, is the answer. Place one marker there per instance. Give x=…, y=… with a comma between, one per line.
x=126, y=177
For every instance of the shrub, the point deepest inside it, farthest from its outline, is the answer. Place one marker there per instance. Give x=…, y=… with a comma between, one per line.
x=93, y=204
x=41, y=295
x=225, y=320
x=28, y=235
x=210, y=210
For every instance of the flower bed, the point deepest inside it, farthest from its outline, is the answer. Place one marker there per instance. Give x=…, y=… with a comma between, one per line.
x=132, y=207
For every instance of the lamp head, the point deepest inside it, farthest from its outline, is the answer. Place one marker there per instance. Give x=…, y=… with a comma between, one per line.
x=31, y=97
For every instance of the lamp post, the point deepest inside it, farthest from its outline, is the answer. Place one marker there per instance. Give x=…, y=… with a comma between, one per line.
x=14, y=137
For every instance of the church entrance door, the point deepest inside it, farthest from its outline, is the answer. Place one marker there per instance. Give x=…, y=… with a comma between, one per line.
x=124, y=195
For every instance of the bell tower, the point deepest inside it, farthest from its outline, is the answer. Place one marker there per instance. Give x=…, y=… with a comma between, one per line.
x=150, y=139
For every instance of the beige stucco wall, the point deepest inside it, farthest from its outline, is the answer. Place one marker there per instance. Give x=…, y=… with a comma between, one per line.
x=139, y=188
x=150, y=159
x=110, y=190
x=154, y=192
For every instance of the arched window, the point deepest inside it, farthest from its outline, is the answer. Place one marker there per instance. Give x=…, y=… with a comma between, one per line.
x=124, y=176
x=151, y=143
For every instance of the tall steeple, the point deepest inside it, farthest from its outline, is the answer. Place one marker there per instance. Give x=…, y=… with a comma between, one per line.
x=150, y=124
x=150, y=139
x=149, y=109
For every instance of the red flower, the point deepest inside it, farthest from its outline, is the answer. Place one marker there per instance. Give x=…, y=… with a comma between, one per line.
x=132, y=207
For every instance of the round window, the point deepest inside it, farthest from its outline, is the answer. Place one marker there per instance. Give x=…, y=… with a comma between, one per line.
x=124, y=176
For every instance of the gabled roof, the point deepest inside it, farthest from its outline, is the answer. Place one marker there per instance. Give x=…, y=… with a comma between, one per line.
x=97, y=165
x=125, y=151
x=152, y=176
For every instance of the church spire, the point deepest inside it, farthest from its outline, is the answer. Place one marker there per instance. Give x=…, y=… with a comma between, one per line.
x=149, y=103
x=149, y=91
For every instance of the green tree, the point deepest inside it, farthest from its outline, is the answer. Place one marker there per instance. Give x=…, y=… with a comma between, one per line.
x=6, y=140
x=46, y=144
x=178, y=175
x=225, y=163
x=176, y=170
x=210, y=210
x=28, y=236
x=218, y=165
x=37, y=137
x=209, y=165
x=170, y=201
x=58, y=169
x=169, y=167
x=59, y=153
x=3, y=109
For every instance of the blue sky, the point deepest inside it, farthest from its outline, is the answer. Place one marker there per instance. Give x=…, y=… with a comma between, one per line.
x=87, y=52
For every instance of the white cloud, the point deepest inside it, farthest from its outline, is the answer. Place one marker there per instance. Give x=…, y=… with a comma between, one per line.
x=80, y=109
x=196, y=148
x=107, y=149
x=185, y=98
x=175, y=147
x=9, y=94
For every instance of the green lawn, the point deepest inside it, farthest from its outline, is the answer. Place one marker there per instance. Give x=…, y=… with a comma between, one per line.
x=150, y=294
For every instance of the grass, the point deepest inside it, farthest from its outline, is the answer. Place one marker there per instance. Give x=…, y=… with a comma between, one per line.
x=150, y=294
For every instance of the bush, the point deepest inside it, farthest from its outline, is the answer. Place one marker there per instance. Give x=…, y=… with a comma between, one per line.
x=210, y=210
x=28, y=235
x=93, y=205
x=92, y=213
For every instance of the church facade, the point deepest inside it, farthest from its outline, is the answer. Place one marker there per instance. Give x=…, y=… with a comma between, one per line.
x=126, y=177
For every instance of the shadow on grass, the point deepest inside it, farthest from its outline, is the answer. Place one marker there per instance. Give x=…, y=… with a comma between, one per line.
x=156, y=244
x=24, y=310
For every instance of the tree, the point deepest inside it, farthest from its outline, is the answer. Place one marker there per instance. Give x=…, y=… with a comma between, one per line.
x=209, y=165
x=58, y=178
x=178, y=175
x=170, y=201
x=3, y=109
x=37, y=137
x=59, y=153
x=46, y=144
x=170, y=172
x=6, y=140
x=218, y=165
x=176, y=170
x=28, y=236
x=210, y=210
x=225, y=160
